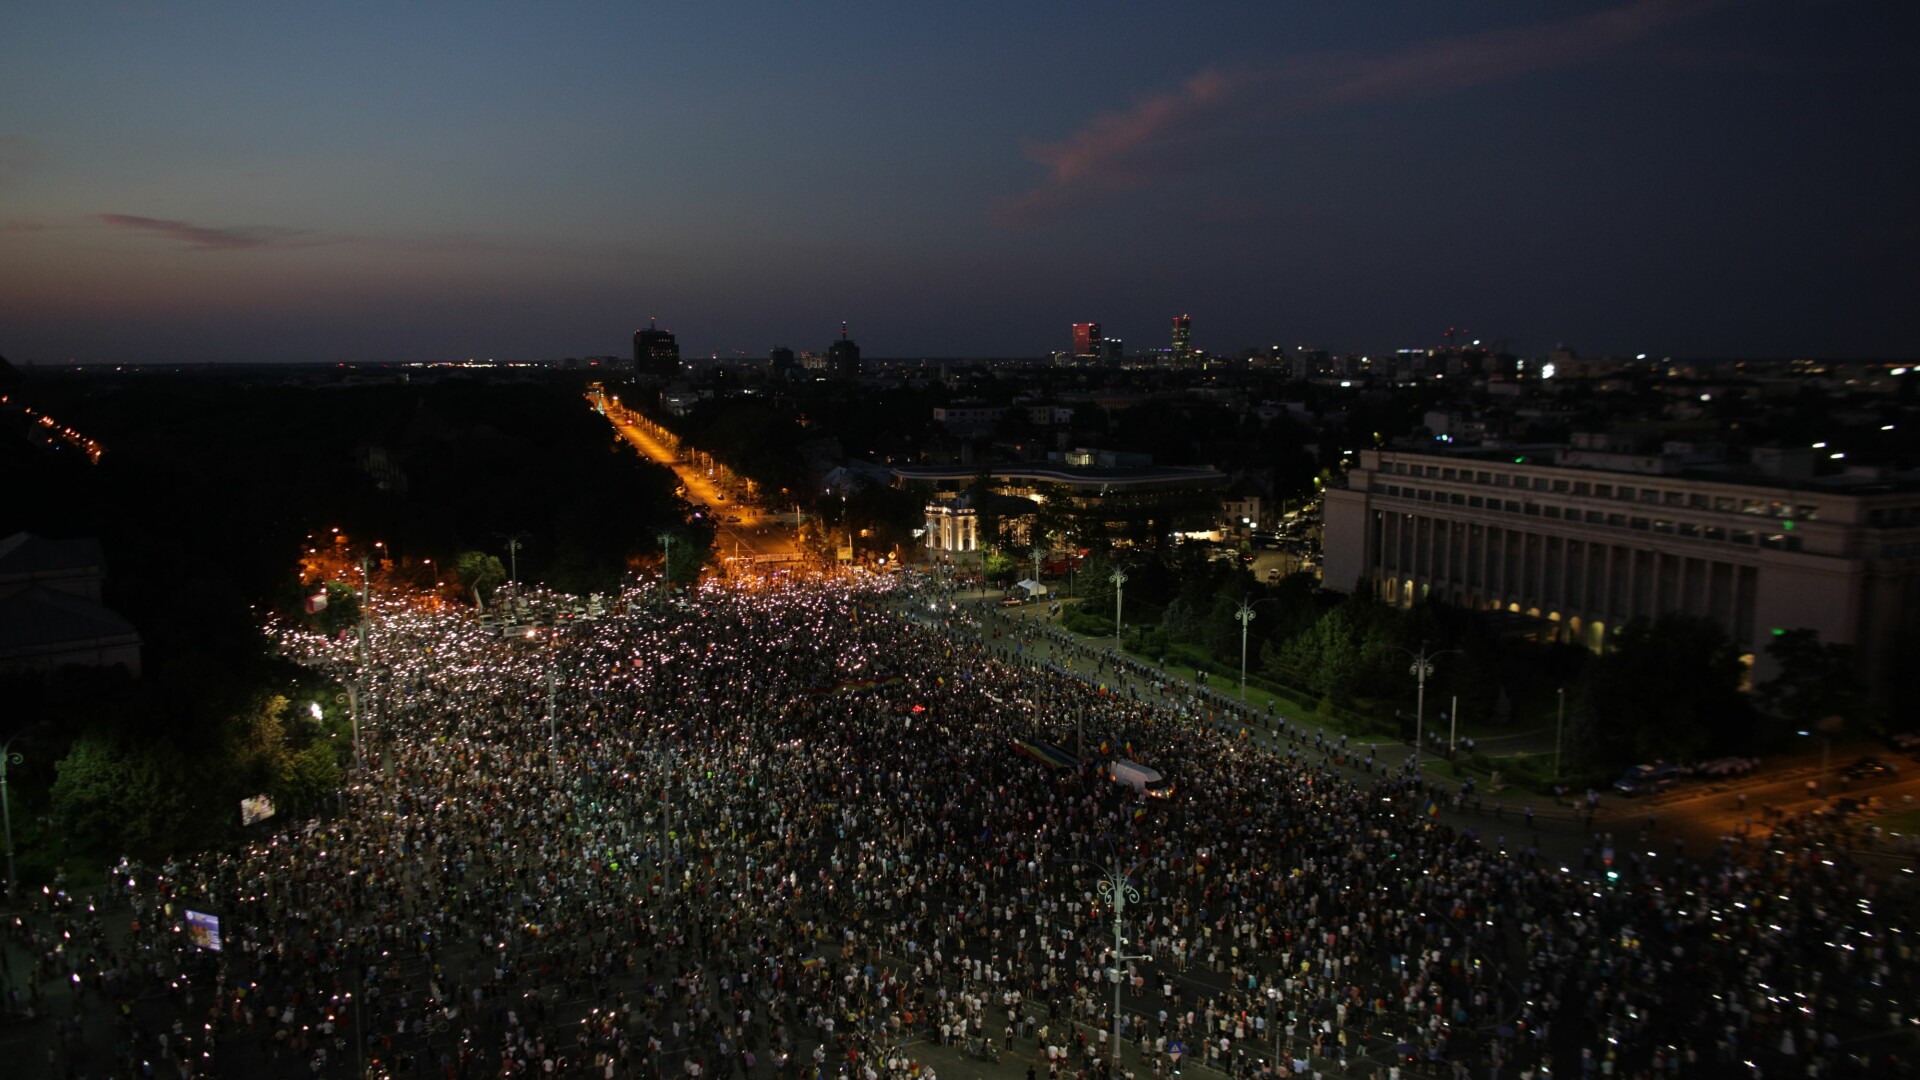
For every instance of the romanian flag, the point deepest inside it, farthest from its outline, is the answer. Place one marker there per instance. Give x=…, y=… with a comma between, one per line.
x=1047, y=754
x=1140, y=814
x=811, y=962
x=1433, y=808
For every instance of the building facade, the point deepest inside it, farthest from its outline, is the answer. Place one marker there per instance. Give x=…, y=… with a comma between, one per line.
x=1183, y=337
x=1584, y=549
x=953, y=527
x=843, y=357
x=1088, y=342
x=655, y=352
x=50, y=611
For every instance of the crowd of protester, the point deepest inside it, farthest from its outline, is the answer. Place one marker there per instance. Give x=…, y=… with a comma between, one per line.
x=811, y=829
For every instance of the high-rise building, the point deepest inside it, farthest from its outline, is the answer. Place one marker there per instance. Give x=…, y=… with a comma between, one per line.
x=1183, y=337
x=780, y=361
x=843, y=357
x=1087, y=340
x=655, y=352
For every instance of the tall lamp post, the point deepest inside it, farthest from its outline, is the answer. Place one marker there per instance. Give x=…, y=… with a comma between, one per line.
x=1119, y=579
x=1422, y=667
x=666, y=563
x=553, y=728
x=8, y=756
x=514, y=544
x=1036, y=553
x=1116, y=889
x=1559, y=725
x=1245, y=615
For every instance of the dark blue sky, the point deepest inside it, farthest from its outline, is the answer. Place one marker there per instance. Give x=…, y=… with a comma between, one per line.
x=419, y=181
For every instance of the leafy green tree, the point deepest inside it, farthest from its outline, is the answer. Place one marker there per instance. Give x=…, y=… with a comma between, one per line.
x=887, y=515
x=479, y=570
x=1816, y=681
x=111, y=794
x=255, y=744
x=692, y=549
x=997, y=566
x=1053, y=521
x=308, y=777
x=1669, y=689
x=1351, y=649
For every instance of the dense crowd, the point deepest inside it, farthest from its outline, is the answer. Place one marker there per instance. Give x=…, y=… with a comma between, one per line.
x=800, y=832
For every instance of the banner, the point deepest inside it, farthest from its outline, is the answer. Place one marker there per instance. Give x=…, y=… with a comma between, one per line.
x=204, y=930
x=257, y=808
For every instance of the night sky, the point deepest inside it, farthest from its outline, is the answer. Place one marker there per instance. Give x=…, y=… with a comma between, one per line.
x=413, y=181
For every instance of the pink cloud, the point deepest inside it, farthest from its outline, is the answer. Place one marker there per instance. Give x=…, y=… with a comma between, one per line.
x=209, y=237
x=1149, y=142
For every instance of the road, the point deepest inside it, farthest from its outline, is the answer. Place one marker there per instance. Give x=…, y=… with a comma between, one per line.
x=1690, y=820
x=742, y=531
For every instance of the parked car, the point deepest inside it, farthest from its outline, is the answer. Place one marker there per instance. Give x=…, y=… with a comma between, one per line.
x=1870, y=768
x=1648, y=779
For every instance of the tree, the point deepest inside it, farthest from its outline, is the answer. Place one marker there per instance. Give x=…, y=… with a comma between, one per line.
x=112, y=795
x=1815, y=681
x=307, y=778
x=1665, y=690
x=1053, y=522
x=479, y=572
x=997, y=566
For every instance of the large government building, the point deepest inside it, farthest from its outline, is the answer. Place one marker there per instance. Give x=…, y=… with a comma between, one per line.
x=1582, y=541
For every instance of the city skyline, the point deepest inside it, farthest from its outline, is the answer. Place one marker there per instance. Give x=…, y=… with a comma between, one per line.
x=1678, y=177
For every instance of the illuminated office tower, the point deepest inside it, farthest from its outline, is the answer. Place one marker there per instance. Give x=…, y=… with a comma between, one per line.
x=1183, y=337
x=1087, y=340
x=655, y=352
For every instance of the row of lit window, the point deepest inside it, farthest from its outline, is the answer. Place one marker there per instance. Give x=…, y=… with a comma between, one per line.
x=1685, y=529
x=1696, y=500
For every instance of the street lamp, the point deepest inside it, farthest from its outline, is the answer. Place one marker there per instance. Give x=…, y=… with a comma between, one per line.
x=514, y=544
x=1422, y=667
x=1245, y=615
x=353, y=714
x=1119, y=579
x=1116, y=889
x=1559, y=725
x=1036, y=553
x=666, y=562
x=8, y=756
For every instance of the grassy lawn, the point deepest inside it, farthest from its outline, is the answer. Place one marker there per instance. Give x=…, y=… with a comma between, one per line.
x=1900, y=822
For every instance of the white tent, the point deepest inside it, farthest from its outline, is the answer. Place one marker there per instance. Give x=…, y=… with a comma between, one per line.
x=1033, y=587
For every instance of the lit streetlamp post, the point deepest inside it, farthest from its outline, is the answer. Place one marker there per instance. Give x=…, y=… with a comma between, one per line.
x=353, y=714
x=1245, y=615
x=8, y=756
x=1116, y=889
x=514, y=544
x=1422, y=667
x=1119, y=579
x=1036, y=553
x=1559, y=725
x=553, y=727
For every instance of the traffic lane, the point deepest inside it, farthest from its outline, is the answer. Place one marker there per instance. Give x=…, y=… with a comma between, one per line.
x=1695, y=820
